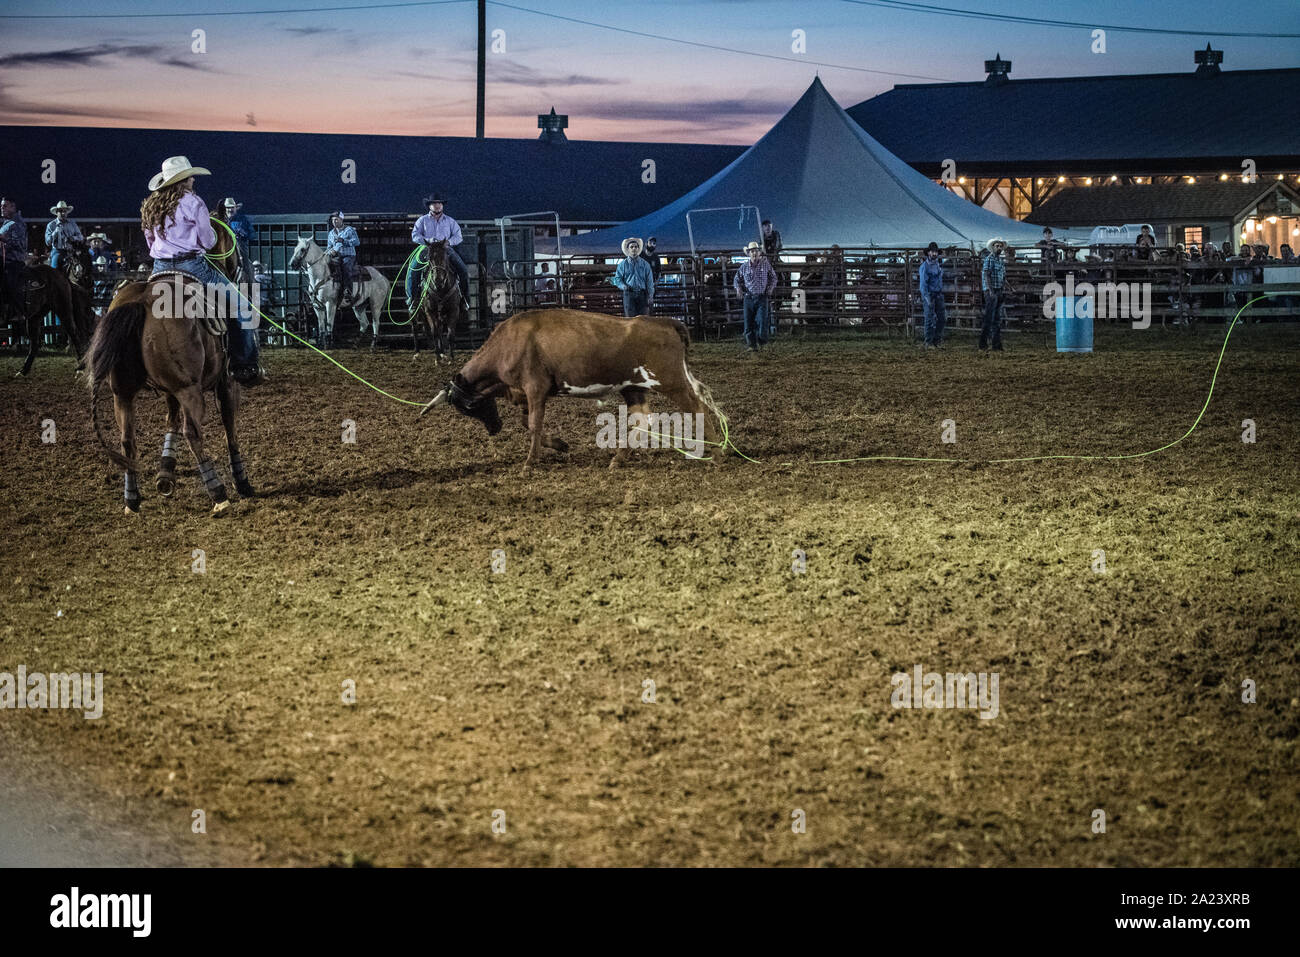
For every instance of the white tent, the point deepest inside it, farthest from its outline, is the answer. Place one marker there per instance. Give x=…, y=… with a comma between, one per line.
x=821, y=180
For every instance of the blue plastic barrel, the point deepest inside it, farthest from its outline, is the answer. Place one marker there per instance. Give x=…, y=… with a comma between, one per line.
x=1073, y=324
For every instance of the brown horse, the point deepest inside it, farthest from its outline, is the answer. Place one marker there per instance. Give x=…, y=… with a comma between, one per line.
x=438, y=305
x=149, y=338
x=48, y=290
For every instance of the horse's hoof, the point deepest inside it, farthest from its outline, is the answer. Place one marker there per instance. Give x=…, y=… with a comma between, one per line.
x=166, y=485
x=130, y=512
x=559, y=445
x=19, y=374
x=245, y=489
x=220, y=508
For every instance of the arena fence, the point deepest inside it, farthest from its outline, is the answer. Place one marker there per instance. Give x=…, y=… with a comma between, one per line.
x=818, y=289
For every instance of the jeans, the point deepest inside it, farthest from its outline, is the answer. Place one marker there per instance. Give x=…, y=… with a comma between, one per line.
x=242, y=332
x=415, y=274
x=636, y=302
x=992, y=321
x=769, y=320
x=55, y=258
x=935, y=317
x=757, y=311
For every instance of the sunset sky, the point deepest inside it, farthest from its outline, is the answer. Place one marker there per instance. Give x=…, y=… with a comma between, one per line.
x=405, y=68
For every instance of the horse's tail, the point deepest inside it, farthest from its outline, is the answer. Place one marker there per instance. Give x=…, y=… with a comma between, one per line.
x=115, y=349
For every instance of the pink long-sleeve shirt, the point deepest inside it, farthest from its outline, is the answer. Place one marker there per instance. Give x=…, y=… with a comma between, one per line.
x=188, y=230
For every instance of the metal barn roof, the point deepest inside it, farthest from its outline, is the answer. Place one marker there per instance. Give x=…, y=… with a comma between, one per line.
x=105, y=172
x=1213, y=118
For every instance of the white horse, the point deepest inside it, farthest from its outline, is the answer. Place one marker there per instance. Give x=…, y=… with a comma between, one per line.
x=370, y=290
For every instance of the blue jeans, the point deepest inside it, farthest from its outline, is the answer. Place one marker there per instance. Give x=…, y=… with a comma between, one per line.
x=415, y=273
x=935, y=317
x=757, y=311
x=242, y=332
x=55, y=258
x=636, y=302
x=992, y=327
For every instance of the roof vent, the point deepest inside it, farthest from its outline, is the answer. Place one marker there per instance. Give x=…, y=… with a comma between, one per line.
x=552, y=126
x=997, y=70
x=1208, y=60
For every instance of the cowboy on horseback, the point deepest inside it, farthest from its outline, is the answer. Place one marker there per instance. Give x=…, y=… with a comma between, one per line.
x=13, y=253
x=177, y=226
x=341, y=245
x=63, y=237
x=229, y=213
x=434, y=225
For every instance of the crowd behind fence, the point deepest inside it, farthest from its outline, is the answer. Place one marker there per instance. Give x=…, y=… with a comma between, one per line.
x=843, y=287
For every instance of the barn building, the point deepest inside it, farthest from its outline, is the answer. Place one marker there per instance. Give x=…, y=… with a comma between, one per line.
x=1010, y=145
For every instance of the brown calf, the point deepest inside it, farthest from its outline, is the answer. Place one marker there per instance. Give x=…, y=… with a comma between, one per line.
x=563, y=352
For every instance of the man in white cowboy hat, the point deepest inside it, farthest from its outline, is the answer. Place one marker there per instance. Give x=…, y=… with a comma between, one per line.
x=755, y=282
x=635, y=278
x=239, y=225
x=993, y=279
x=178, y=228
x=62, y=235
x=436, y=225
x=13, y=254
x=341, y=246
x=102, y=263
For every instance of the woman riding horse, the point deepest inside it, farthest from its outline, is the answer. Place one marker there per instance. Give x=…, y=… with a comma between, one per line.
x=152, y=336
x=178, y=227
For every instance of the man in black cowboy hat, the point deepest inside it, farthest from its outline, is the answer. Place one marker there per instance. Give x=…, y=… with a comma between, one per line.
x=435, y=225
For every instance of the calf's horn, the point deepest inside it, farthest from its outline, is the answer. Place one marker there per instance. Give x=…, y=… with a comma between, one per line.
x=438, y=399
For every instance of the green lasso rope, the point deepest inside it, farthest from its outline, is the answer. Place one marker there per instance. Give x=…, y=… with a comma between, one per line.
x=727, y=443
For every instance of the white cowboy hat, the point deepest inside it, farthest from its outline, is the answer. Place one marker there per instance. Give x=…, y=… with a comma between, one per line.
x=97, y=236
x=61, y=205
x=993, y=242
x=751, y=247
x=175, y=169
x=629, y=241
x=229, y=203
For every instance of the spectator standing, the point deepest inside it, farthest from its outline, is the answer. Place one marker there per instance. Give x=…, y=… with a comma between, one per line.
x=635, y=278
x=930, y=280
x=648, y=254
x=755, y=281
x=1144, y=244
x=771, y=243
x=993, y=278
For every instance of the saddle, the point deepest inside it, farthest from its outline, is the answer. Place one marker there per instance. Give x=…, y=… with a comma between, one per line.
x=212, y=325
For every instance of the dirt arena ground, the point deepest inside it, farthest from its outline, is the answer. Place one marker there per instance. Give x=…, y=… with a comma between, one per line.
x=522, y=691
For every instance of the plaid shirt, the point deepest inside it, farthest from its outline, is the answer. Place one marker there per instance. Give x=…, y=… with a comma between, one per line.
x=755, y=279
x=994, y=273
